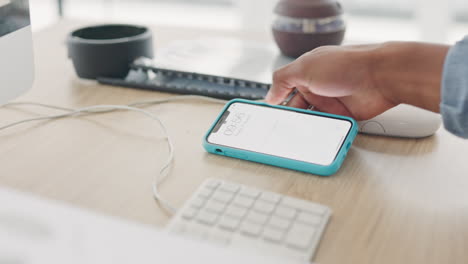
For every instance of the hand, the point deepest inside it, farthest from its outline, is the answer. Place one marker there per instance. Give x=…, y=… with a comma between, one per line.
x=362, y=81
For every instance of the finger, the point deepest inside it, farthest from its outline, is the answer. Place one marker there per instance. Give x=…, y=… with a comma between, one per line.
x=298, y=102
x=326, y=104
x=284, y=82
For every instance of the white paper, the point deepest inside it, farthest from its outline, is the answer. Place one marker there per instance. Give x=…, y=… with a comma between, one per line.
x=228, y=57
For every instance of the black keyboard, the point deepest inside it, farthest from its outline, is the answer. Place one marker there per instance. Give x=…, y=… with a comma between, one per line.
x=180, y=82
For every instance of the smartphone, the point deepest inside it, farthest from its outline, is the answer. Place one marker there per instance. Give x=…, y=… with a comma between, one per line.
x=291, y=138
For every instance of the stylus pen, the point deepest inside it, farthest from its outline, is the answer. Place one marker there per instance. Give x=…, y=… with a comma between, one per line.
x=291, y=96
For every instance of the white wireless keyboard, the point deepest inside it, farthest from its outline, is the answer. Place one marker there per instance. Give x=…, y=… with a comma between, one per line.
x=245, y=218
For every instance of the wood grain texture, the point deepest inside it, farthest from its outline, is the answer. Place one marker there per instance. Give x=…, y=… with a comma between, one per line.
x=394, y=200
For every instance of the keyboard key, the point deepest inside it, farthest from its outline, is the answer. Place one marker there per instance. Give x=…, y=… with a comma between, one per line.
x=285, y=212
x=273, y=235
x=279, y=223
x=229, y=187
x=244, y=201
x=251, y=229
x=249, y=192
x=304, y=205
x=206, y=217
x=205, y=193
x=197, y=203
x=189, y=213
x=270, y=197
x=258, y=218
x=300, y=236
x=213, y=184
x=236, y=212
x=215, y=206
x=264, y=207
x=308, y=218
x=229, y=223
x=223, y=197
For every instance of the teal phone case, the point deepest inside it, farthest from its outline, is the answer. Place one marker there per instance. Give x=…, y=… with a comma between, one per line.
x=279, y=161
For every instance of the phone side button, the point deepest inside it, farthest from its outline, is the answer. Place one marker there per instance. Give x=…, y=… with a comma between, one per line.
x=236, y=155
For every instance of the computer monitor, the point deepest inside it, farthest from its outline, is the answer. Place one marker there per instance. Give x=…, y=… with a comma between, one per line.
x=16, y=51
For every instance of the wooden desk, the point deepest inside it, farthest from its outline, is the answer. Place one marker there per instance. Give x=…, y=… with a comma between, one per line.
x=394, y=200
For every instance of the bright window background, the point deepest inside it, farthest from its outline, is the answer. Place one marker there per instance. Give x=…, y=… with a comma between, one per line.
x=368, y=20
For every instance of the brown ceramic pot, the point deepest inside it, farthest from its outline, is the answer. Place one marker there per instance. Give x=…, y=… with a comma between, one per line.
x=303, y=25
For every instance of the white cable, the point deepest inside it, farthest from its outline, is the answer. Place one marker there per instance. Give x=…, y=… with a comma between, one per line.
x=163, y=172
x=134, y=104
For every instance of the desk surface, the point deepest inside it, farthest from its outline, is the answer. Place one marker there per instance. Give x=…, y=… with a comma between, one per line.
x=394, y=200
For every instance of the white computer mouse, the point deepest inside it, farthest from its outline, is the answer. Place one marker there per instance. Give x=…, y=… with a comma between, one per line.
x=403, y=121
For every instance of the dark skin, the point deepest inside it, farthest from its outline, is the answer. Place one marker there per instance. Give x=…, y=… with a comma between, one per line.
x=363, y=81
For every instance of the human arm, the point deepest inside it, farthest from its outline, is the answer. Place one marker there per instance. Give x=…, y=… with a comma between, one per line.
x=364, y=81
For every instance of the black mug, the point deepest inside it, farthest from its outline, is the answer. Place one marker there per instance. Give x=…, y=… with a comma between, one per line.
x=108, y=50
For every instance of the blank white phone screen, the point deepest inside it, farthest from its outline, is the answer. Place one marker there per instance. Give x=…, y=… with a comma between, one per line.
x=283, y=133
